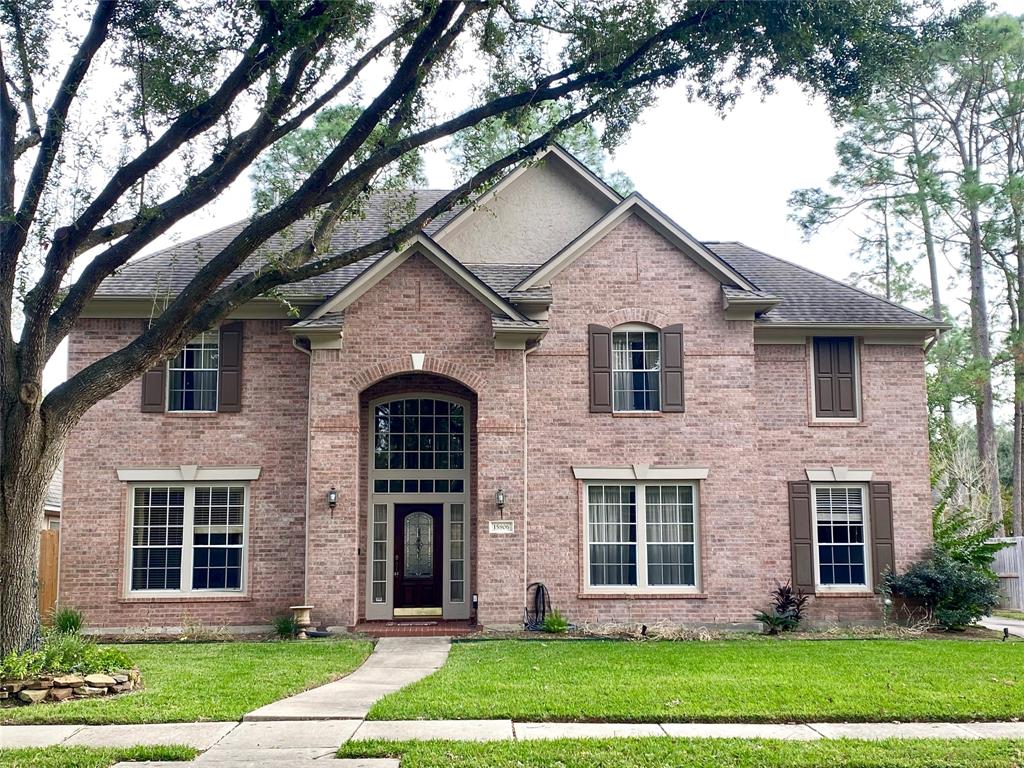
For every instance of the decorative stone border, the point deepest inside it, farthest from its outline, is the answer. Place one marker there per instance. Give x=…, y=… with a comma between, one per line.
x=63, y=687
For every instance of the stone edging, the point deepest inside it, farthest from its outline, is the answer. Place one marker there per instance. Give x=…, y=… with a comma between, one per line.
x=36, y=690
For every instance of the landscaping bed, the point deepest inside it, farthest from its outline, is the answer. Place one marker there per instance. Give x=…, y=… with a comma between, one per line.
x=743, y=680
x=695, y=753
x=187, y=682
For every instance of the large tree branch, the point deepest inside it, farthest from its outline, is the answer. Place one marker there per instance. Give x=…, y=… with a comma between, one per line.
x=8, y=265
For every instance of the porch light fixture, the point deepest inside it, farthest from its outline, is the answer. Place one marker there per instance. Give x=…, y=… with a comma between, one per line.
x=332, y=498
x=499, y=500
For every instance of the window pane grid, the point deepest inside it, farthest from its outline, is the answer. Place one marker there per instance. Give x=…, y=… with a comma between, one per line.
x=192, y=375
x=157, y=537
x=457, y=554
x=217, y=532
x=671, y=536
x=380, y=553
x=636, y=371
x=839, y=513
x=419, y=434
x=612, y=529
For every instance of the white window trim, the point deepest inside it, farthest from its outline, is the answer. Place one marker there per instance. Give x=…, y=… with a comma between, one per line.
x=167, y=378
x=636, y=328
x=186, y=473
x=641, y=542
x=865, y=588
x=815, y=418
x=188, y=545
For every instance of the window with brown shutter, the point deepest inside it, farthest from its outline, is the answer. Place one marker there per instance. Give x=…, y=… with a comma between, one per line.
x=801, y=536
x=835, y=377
x=883, y=552
x=229, y=396
x=672, y=369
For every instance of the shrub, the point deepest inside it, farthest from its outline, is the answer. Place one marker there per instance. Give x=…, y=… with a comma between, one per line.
x=285, y=627
x=555, y=623
x=953, y=593
x=61, y=654
x=68, y=621
x=964, y=537
x=787, y=609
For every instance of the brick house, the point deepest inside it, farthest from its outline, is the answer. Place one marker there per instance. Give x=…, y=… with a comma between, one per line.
x=555, y=384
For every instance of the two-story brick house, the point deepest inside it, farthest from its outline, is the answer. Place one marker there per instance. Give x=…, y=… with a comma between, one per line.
x=555, y=385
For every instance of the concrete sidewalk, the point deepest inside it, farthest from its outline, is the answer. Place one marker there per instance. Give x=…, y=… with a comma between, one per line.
x=395, y=663
x=1014, y=626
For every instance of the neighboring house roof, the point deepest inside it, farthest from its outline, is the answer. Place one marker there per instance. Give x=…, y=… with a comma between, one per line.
x=812, y=298
x=55, y=491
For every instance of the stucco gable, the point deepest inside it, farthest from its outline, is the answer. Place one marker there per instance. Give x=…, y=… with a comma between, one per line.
x=531, y=214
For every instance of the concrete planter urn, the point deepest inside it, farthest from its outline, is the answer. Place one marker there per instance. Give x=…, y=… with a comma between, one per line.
x=301, y=614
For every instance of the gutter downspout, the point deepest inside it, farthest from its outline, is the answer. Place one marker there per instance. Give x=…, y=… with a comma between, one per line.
x=309, y=406
x=526, y=475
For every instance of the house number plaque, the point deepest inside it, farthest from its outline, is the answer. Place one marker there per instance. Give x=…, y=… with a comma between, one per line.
x=501, y=526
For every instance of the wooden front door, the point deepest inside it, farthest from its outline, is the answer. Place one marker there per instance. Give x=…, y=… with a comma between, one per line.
x=419, y=565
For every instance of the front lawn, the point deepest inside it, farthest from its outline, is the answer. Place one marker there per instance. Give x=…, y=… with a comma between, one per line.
x=206, y=681
x=88, y=757
x=695, y=753
x=755, y=680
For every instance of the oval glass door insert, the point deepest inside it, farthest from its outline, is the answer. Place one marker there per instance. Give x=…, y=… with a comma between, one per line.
x=419, y=546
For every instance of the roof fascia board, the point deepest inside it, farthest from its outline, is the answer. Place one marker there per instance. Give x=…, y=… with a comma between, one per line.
x=137, y=306
x=797, y=333
x=635, y=204
x=444, y=261
x=567, y=159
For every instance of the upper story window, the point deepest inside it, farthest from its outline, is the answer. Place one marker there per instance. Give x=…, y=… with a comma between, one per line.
x=188, y=537
x=636, y=369
x=205, y=376
x=192, y=375
x=835, y=384
x=641, y=537
x=841, y=536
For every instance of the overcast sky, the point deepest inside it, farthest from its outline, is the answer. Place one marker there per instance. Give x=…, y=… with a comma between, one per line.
x=720, y=178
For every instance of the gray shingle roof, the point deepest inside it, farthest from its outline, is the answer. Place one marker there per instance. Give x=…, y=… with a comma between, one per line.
x=168, y=271
x=809, y=297
x=806, y=296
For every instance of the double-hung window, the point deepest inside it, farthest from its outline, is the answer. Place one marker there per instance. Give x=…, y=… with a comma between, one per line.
x=188, y=538
x=192, y=374
x=636, y=369
x=841, y=536
x=641, y=536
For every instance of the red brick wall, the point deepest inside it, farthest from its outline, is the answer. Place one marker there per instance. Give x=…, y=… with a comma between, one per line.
x=269, y=432
x=746, y=420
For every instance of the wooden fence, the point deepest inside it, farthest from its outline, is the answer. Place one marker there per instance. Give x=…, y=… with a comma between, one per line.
x=49, y=549
x=1009, y=564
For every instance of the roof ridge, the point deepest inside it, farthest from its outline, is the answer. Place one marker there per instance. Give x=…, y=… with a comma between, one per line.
x=861, y=291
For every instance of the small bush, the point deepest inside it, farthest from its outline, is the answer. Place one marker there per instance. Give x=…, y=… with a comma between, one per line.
x=954, y=594
x=62, y=654
x=787, y=609
x=68, y=621
x=555, y=623
x=286, y=627
x=965, y=538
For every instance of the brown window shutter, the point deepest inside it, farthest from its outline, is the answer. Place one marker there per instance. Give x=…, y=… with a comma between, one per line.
x=154, y=384
x=600, y=368
x=801, y=536
x=229, y=385
x=835, y=377
x=672, y=369
x=154, y=389
x=883, y=552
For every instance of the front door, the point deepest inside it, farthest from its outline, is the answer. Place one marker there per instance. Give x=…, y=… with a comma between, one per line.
x=418, y=559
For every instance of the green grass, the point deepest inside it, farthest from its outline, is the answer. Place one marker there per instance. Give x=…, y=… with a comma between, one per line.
x=696, y=753
x=1010, y=614
x=87, y=757
x=207, y=681
x=721, y=681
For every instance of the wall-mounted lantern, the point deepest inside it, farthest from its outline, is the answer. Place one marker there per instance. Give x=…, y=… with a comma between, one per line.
x=499, y=500
x=332, y=498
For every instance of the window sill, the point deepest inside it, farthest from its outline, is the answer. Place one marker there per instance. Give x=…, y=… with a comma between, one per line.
x=192, y=597
x=844, y=593
x=642, y=596
x=191, y=414
x=637, y=414
x=858, y=422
